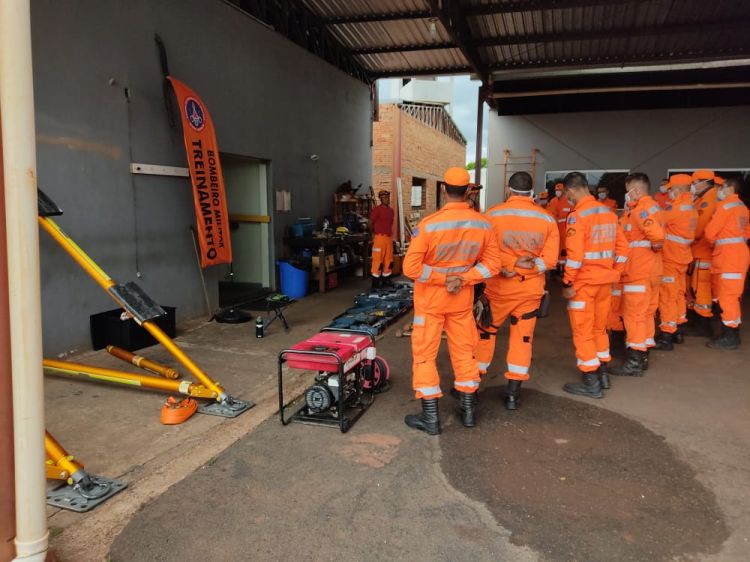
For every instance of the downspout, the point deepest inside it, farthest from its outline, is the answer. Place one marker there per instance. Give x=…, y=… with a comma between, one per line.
x=396, y=176
x=19, y=157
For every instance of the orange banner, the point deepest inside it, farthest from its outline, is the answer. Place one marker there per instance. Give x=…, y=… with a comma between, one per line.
x=205, y=174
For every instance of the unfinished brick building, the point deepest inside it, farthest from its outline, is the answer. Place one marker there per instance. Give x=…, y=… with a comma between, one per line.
x=418, y=141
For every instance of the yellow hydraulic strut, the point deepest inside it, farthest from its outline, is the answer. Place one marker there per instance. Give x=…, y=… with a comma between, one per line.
x=143, y=363
x=83, y=491
x=133, y=379
x=226, y=405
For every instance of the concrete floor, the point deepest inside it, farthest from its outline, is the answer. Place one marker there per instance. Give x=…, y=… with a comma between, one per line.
x=657, y=470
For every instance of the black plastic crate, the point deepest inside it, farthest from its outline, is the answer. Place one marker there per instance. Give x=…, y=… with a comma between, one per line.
x=108, y=329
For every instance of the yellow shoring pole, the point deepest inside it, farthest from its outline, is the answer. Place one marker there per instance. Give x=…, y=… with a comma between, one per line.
x=143, y=363
x=61, y=465
x=133, y=379
x=106, y=282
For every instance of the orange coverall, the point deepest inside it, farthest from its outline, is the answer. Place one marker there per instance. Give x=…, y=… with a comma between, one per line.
x=700, y=280
x=610, y=204
x=522, y=228
x=614, y=322
x=456, y=240
x=642, y=225
x=597, y=253
x=560, y=208
x=680, y=220
x=729, y=231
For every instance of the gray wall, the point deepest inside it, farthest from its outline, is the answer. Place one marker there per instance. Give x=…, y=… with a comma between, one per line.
x=646, y=141
x=269, y=99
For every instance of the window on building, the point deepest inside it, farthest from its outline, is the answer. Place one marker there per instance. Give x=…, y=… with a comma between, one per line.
x=418, y=193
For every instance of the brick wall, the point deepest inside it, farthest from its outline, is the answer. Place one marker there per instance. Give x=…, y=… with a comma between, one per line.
x=425, y=153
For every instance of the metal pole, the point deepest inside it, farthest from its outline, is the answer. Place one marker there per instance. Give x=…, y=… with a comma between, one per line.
x=19, y=157
x=480, y=123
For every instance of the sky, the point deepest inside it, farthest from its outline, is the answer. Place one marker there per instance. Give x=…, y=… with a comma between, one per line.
x=463, y=110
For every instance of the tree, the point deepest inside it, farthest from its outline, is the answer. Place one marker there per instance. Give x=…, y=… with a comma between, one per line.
x=473, y=165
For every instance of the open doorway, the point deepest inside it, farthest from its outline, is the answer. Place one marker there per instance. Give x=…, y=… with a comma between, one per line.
x=246, y=183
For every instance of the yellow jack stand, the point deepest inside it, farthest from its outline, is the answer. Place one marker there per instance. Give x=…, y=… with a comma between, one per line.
x=142, y=309
x=143, y=363
x=80, y=491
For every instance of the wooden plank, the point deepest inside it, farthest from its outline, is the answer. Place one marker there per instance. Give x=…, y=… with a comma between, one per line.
x=250, y=218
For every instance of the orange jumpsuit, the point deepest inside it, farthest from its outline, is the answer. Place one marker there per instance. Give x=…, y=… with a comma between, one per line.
x=642, y=225
x=560, y=208
x=662, y=199
x=614, y=322
x=597, y=253
x=700, y=280
x=522, y=228
x=680, y=220
x=456, y=240
x=609, y=203
x=729, y=231
x=382, y=218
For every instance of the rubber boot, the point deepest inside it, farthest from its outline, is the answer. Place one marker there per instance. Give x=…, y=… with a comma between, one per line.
x=429, y=420
x=700, y=328
x=589, y=386
x=633, y=365
x=375, y=283
x=603, y=375
x=729, y=339
x=617, y=343
x=678, y=337
x=645, y=356
x=386, y=282
x=457, y=395
x=664, y=342
x=466, y=409
x=512, y=394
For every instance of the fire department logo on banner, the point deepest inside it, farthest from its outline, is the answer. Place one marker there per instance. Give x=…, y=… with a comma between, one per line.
x=194, y=114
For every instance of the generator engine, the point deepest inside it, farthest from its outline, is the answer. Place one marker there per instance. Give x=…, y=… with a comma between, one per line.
x=323, y=395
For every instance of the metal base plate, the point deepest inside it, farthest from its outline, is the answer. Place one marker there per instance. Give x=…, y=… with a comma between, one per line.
x=226, y=410
x=136, y=302
x=67, y=497
x=46, y=207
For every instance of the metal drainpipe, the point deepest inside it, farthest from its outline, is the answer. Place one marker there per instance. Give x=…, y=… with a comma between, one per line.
x=19, y=156
x=480, y=122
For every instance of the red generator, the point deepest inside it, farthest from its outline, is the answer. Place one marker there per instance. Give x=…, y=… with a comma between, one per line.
x=349, y=375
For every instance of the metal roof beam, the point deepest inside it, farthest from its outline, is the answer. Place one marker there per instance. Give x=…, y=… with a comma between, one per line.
x=386, y=16
x=402, y=48
x=540, y=5
x=409, y=72
x=668, y=29
x=451, y=14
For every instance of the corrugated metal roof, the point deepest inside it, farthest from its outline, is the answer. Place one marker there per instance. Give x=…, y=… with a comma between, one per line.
x=410, y=37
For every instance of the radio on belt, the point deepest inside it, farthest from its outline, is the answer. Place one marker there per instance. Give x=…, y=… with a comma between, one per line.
x=349, y=375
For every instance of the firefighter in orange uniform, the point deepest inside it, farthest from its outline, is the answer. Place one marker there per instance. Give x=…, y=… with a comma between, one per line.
x=451, y=250
x=642, y=224
x=699, y=272
x=680, y=220
x=529, y=243
x=381, y=226
x=597, y=253
x=662, y=196
x=729, y=231
x=560, y=211
x=543, y=199
x=602, y=194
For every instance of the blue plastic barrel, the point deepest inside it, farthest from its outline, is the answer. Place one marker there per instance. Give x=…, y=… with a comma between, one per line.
x=293, y=281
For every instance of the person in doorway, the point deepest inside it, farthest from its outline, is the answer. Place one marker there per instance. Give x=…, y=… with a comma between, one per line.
x=560, y=208
x=602, y=194
x=642, y=225
x=451, y=250
x=542, y=199
x=381, y=228
x=728, y=231
x=699, y=273
x=597, y=253
x=529, y=243
x=662, y=196
x=680, y=220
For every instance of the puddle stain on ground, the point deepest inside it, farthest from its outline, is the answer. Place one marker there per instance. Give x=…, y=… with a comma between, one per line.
x=576, y=482
x=374, y=450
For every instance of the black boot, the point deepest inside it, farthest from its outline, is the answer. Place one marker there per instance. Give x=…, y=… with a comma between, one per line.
x=429, y=420
x=633, y=365
x=386, y=282
x=729, y=339
x=664, y=342
x=645, y=356
x=617, y=343
x=701, y=327
x=678, y=337
x=375, y=283
x=603, y=375
x=512, y=394
x=589, y=386
x=466, y=408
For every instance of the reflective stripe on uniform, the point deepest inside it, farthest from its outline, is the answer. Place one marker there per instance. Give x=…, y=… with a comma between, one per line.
x=430, y=390
x=621, y=259
x=632, y=344
x=466, y=384
x=703, y=264
x=687, y=208
x=426, y=272
x=734, y=240
x=573, y=264
x=377, y=249
x=732, y=323
x=576, y=305
x=483, y=366
x=562, y=220
x=418, y=321
x=603, y=354
x=518, y=369
x=455, y=269
x=667, y=279
x=453, y=225
x=650, y=341
x=678, y=239
x=598, y=255
x=588, y=362
x=640, y=244
x=539, y=262
x=628, y=227
x=616, y=293
x=483, y=270
x=522, y=213
x=731, y=276
x=733, y=204
x=634, y=288
x=594, y=211
x=654, y=209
